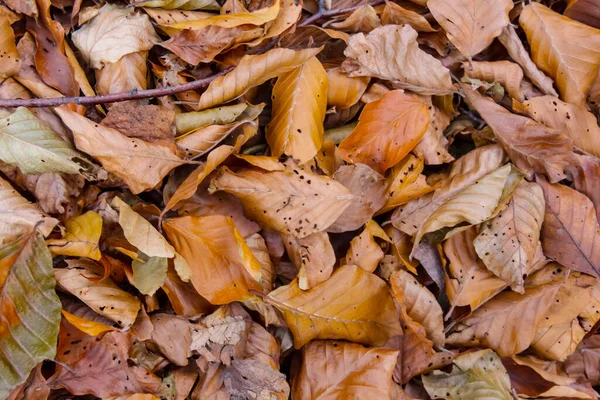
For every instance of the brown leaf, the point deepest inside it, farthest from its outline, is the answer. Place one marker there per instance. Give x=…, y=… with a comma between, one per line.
x=298, y=130
x=407, y=66
x=332, y=370
x=585, y=173
x=506, y=73
x=586, y=11
x=183, y=297
x=255, y=380
x=262, y=346
x=253, y=70
x=313, y=256
x=585, y=361
x=153, y=124
x=388, y=129
x=129, y=73
x=10, y=63
x=393, y=14
x=567, y=50
x=173, y=337
x=471, y=25
x=364, y=251
x=339, y=308
x=363, y=19
x=570, y=234
x=433, y=146
x=575, y=121
x=344, y=91
x=531, y=146
x=294, y=201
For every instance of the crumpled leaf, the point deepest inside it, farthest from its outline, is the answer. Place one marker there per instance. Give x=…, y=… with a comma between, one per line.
x=113, y=33
x=585, y=360
x=254, y=379
x=82, y=237
x=567, y=50
x=369, y=56
x=532, y=147
x=477, y=375
x=571, y=233
x=27, y=299
x=506, y=73
x=471, y=25
x=314, y=257
x=388, y=129
x=253, y=70
x=333, y=370
x=298, y=130
x=433, y=147
x=508, y=245
x=140, y=164
x=30, y=144
x=339, y=308
x=364, y=251
x=363, y=19
x=222, y=267
x=294, y=201
x=395, y=14
x=173, y=337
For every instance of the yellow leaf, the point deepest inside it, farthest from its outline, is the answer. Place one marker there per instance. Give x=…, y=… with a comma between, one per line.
x=353, y=304
x=506, y=73
x=392, y=53
x=567, y=50
x=87, y=326
x=299, y=105
x=223, y=268
x=344, y=91
x=471, y=25
x=364, y=251
x=81, y=238
x=190, y=121
x=253, y=70
x=140, y=164
x=388, y=129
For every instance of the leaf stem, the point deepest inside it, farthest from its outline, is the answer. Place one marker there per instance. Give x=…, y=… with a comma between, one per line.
x=114, y=97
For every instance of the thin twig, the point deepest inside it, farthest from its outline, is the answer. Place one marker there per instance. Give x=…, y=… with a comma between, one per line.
x=330, y=13
x=113, y=98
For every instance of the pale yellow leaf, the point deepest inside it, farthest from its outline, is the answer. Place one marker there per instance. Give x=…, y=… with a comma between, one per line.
x=82, y=237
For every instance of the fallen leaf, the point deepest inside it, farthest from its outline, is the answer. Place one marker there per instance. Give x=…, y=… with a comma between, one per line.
x=585, y=11
x=364, y=251
x=393, y=14
x=140, y=164
x=367, y=56
x=149, y=276
x=339, y=308
x=506, y=73
x=184, y=299
x=191, y=121
x=344, y=91
x=314, y=257
x=570, y=234
x=531, y=146
x=567, y=50
x=332, y=369
x=253, y=379
x=10, y=63
x=82, y=237
x=585, y=173
x=585, y=360
x=293, y=201
x=179, y=4
x=27, y=299
x=173, y=337
x=113, y=33
x=478, y=374
x=92, y=328
x=299, y=105
x=471, y=25
x=222, y=266
x=126, y=74
x=363, y=19
x=253, y=70
x=508, y=244
x=433, y=147
x=388, y=129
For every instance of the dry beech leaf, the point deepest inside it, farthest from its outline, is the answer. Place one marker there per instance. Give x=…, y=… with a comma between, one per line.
x=344, y=91
x=570, y=234
x=393, y=14
x=299, y=105
x=585, y=11
x=567, y=50
x=506, y=73
x=585, y=173
x=191, y=121
x=92, y=328
x=510, y=40
x=391, y=52
x=585, y=360
x=129, y=73
x=469, y=282
x=574, y=121
x=173, y=337
x=166, y=16
x=186, y=5
x=388, y=129
x=183, y=297
x=509, y=243
x=331, y=370
x=471, y=25
x=421, y=305
x=313, y=256
x=368, y=188
x=363, y=19
x=253, y=70
x=140, y=164
x=464, y=172
x=104, y=297
x=259, y=249
x=114, y=33
x=293, y=201
x=222, y=267
x=476, y=375
x=532, y=147
x=82, y=237
x=10, y=63
x=339, y=308
x=433, y=146
x=364, y=251
x=474, y=205
x=18, y=216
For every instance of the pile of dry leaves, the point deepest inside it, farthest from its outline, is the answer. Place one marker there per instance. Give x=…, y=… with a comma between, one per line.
x=319, y=200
